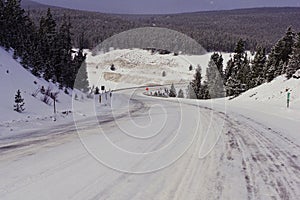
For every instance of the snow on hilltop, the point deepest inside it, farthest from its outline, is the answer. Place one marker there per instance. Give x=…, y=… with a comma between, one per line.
x=140, y=67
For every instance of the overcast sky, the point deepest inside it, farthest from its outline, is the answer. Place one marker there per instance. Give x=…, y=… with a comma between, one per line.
x=166, y=6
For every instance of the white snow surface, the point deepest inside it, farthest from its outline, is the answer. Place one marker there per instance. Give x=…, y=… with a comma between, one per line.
x=37, y=114
x=135, y=67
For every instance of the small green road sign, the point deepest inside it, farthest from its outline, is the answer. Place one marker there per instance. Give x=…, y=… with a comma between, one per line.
x=288, y=99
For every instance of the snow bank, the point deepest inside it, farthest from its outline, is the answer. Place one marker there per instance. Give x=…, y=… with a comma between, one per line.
x=275, y=93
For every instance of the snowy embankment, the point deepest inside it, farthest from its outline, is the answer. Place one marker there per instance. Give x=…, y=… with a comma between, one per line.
x=268, y=105
x=37, y=114
x=138, y=67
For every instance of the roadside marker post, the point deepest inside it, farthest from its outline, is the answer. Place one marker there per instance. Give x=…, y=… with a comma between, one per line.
x=288, y=99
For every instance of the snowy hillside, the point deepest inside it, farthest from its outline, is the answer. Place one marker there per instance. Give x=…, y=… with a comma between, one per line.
x=275, y=93
x=140, y=67
x=268, y=104
x=13, y=77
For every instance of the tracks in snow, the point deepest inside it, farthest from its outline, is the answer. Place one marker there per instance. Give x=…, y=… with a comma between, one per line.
x=268, y=159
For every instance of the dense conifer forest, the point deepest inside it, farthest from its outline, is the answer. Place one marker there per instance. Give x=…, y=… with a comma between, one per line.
x=214, y=30
x=45, y=48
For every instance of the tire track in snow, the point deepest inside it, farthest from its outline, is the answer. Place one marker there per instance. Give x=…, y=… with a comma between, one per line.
x=279, y=173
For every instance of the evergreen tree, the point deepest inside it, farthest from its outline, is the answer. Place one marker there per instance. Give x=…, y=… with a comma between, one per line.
x=214, y=76
x=97, y=90
x=180, y=94
x=81, y=82
x=15, y=27
x=217, y=60
x=19, y=102
x=64, y=67
x=280, y=55
x=233, y=87
x=13, y=23
x=196, y=83
x=237, y=72
x=244, y=74
x=205, y=91
x=190, y=92
x=294, y=62
x=258, y=68
x=228, y=70
x=172, y=92
x=47, y=48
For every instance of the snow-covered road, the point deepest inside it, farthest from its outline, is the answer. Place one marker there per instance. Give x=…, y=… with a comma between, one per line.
x=153, y=149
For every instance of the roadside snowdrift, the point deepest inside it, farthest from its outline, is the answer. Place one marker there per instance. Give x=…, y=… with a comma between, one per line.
x=267, y=105
x=275, y=93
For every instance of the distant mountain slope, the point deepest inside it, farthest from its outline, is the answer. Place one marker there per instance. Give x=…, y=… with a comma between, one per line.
x=214, y=30
x=220, y=30
x=32, y=4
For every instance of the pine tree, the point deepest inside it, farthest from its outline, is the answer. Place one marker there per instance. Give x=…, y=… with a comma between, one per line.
x=294, y=62
x=97, y=90
x=233, y=87
x=190, y=93
x=214, y=76
x=14, y=26
x=196, y=83
x=244, y=74
x=180, y=94
x=280, y=55
x=81, y=81
x=217, y=60
x=47, y=46
x=205, y=91
x=258, y=68
x=237, y=71
x=19, y=102
x=172, y=92
x=228, y=70
x=64, y=71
